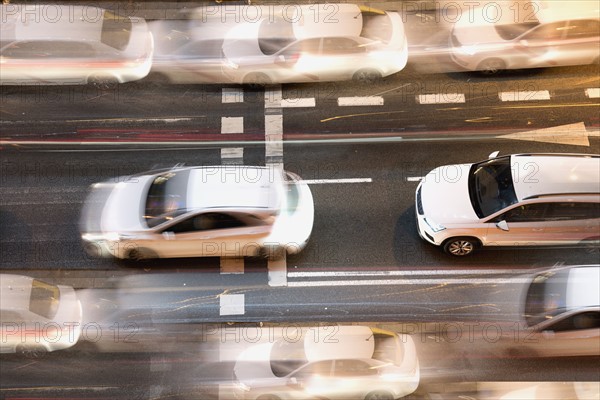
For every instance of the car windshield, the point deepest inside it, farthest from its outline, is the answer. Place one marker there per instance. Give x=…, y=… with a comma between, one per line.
x=377, y=27
x=166, y=197
x=546, y=297
x=511, y=31
x=44, y=299
x=491, y=186
x=116, y=30
x=274, y=34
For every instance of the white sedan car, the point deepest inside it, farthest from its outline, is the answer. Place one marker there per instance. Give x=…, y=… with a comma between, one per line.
x=328, y=42
x=36, y=316
x=347, y=362
x=199, y=211
x=66, y=44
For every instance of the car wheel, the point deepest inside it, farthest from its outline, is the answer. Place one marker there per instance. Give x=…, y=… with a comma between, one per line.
x=592, y=245
x=140, y=254
x=491, y=66
x=32, y=352
x=156, y=79
x=101, y=82
x=367, y=76
x=379, y=395
x=257, y=80
x=460, y=246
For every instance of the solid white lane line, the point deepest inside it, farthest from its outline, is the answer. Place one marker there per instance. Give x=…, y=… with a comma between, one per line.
x=273, y=136
x=323, y=274
x=525, y=95
x=231, y=154
x=232, y=265
x=232, y=95
x=378, y=282
x=231, y=304
x=414, y=178
x=348, y=180
x=277, y=271
x=273, y=98
x=232, y=124
x=360, y=101
x=441, y=98
x=299, y=102
x=592, y=93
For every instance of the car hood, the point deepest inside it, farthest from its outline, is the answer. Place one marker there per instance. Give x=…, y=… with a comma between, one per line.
x=445, y=195
x=115, y=206
x=253, y=366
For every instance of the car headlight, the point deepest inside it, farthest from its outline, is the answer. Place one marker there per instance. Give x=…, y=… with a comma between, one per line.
x=468, y=50
x=434, y=227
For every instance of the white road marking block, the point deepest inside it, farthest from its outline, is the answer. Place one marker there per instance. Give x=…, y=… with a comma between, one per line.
x=441, y=98
x=232, y=265
x=360, y=101
x=592, y=93
x=273, y=98
x=525, y=95
x=348, y=180
x=299, y=102
x=408, y=281
x=231, y=304
x=232, y=124
x=277, y=270
x=232, y=95
x=414, y=178
x=273, y=136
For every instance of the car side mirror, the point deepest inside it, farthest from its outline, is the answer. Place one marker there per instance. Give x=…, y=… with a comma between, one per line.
x=168, y=235
x=523, y=43
x=502, y=225
x=548, y=334
x=293, y=381
x=494, y=154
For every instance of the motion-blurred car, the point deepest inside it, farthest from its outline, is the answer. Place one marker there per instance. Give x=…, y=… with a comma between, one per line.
x=327, y=42
x=549, y=34
x=66, y=44
x=562, y=312
x=199, y=211
x=515, y=200
x=37, y=317
x=348, y=362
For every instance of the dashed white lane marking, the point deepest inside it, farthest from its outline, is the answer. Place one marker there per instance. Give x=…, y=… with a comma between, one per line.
x=414, y=178
x=592, y=93
x=300, y=102
x=232, y=95
x=273, y=98
x=373, y=282
x=273, y=127
x=232, y=155
x=360, y=101
x=441, y=98
x=348, y=180
x=231, y=304
x=232, y=124
x=232, y=265
x=525, y=95
x=277, y=271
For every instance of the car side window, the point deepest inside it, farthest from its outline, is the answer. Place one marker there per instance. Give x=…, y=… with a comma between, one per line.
x=581, y=321
x=337, y=45
x=349, y=368
x=553, y=31
x=304, y=46
x=320, y=368
x=572, y=210
x=206, y=222
x=587, y=28
x=525, y=213
x=49, y=49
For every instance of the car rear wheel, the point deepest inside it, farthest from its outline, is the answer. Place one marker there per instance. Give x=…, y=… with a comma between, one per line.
x=102, y=82
x=460, y=246
x=491, y=66
x=379, y=395
x=140, y=254
x=367, y=76
x=257, y=79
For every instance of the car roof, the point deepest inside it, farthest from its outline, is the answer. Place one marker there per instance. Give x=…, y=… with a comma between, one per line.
x=234, y=187
x=557, y=10
x=51, y=22
x=555, y=174
x=339, y=342
x=583, y=287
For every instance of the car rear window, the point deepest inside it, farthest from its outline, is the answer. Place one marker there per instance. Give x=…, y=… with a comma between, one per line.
x=546, y=297
x=511, y=31
x=44, y=299
x=166, y=197
x=377, y=27
x=116, y=30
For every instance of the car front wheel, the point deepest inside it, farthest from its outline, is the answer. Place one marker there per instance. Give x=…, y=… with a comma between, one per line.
x=491, y=66
x=460, y=246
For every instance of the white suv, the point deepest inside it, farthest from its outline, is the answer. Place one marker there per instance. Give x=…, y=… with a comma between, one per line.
x=516, y=200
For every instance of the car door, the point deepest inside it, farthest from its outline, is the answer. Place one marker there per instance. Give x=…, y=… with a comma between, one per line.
x=575, y=334
x=299, y=62
x=582, y=42
x=313, y=379
x=213, y=234
x=341, y=57
x=198, y=61
x=540, y=47
x=572, y=222
x=521, y=225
